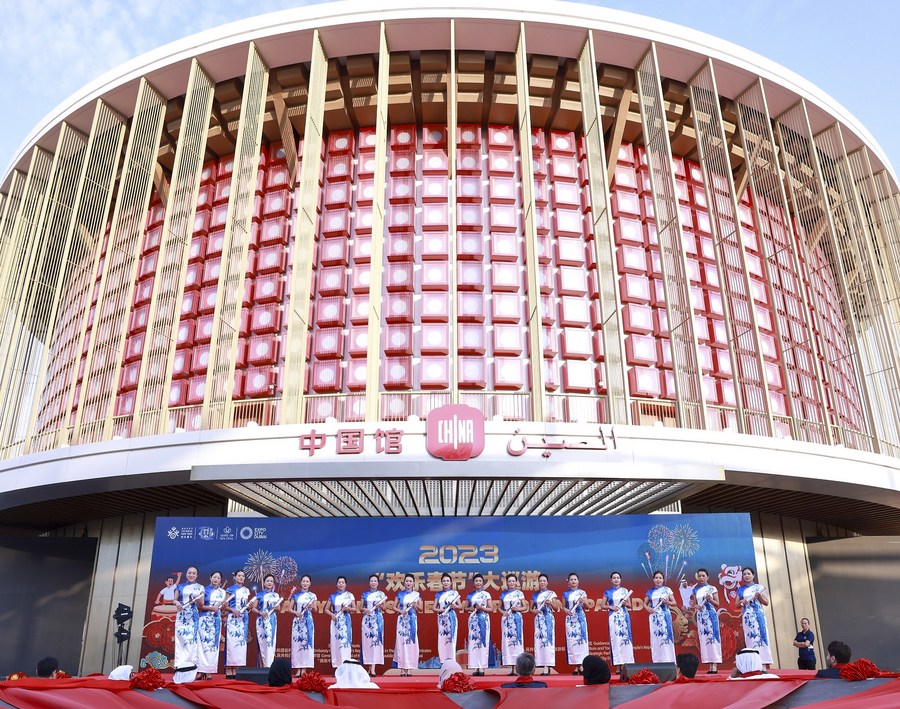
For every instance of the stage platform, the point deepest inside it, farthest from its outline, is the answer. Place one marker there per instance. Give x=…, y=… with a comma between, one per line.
x=792, y=689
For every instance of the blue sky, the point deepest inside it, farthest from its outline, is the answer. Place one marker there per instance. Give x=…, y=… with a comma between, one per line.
x=51, y=48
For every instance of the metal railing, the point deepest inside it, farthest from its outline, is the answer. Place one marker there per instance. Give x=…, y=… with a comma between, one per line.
x=576, y=408
x=499, y=405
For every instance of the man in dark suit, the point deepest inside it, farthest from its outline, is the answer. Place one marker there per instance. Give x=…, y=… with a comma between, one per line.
x=838, y=656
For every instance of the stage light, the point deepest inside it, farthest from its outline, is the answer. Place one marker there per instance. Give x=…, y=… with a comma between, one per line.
x=123, y=614
x=122, y=634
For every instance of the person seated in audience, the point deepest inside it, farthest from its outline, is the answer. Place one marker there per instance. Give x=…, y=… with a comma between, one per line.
x=525, y=671
x=839, y=654
x=122, y=672
x=47, y=668
x=280, y=672
x=352, y=675
x=748, y=665
x=185, y=674
x=596, y=670
x=448, y=667
x=686, y=665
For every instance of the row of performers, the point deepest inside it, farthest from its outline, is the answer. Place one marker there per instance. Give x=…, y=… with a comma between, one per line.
x=198, y=623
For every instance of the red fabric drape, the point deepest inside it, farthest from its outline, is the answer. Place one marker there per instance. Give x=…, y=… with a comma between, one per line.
x=77, y=698
x=238, y=694
x=690, y=695
x=596, y=697
x=884, y=696
x=390, y=699
x=241, y=699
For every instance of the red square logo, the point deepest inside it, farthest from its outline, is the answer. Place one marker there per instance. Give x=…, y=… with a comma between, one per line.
x=455, y=432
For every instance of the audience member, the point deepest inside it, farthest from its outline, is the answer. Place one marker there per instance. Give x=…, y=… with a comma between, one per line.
x=448, y=667
x=596, y=671
x=48, y=668
x=839, y=654
x=280, y=672
x=686, y=665
x=185, y=674
x=352, y=675
x=122, y=672
x=525, y=671
x=748, y=665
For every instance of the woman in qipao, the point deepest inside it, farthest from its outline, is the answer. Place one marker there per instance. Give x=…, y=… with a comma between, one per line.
x=339, y=605
x=756, y=631
x=372, y=642
x=446, y=603
x=659, y=601
x=512, y=605
x=210, y=626
x=237, y=624
x=266, y=608
x=187, y=619
x=617, y=601
x=479, y=604
x=302, y=631
x=705, y=601
x=543, y=604
x=408, y=604
x=577, y=647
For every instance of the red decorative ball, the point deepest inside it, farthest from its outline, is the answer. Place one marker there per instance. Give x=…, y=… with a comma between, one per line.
x=645, y=676
x=148, y=679
x=310, y=682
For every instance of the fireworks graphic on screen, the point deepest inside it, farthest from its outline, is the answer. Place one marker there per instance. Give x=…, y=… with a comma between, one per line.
x=659, y=537
x=259, y=565
x=668, y=549
x=647, y=555
x=685, y=541
x=284, y=568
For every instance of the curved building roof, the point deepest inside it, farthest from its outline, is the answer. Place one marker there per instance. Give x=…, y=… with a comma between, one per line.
x=350, y=28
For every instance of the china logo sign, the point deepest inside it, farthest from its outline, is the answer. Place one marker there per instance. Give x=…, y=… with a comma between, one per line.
x=455, y=432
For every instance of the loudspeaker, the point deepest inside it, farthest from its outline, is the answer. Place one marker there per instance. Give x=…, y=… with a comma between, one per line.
x=664, y=670
x=259, y=675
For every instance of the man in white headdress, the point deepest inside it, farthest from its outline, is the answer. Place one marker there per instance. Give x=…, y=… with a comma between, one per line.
x=122, y=672
x=184, y=674
x=448, y=667
x=352, y=675
x=748, y=665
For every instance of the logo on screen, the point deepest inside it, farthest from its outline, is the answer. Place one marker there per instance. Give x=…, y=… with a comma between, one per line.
x=455, y=432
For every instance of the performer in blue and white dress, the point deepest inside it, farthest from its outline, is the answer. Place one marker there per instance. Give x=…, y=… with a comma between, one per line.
x=187, y=619
x=577, y=647
x=704, y=600
x=617, y=602
x=237, y=624
x=753, y=597
x=659, y=601
x=372, y=643
x=303, y=603
x=512, y=605
x=210, y=626
x=339, y=605
x=479, y=604
x=543, y=604
x=408, y=604
x=267, y=604
x=446, y=603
